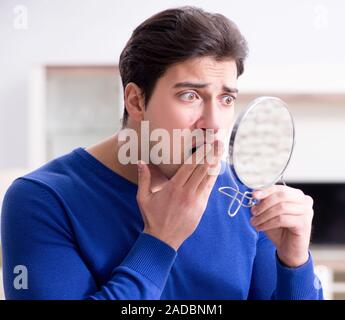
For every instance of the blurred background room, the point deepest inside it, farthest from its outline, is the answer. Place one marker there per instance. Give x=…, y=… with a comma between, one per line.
x=60, y=89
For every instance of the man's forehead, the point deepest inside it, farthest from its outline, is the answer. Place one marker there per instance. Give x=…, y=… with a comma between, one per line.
x=204, y=70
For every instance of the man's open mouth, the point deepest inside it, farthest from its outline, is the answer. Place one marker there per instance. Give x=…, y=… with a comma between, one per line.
x=196, y=147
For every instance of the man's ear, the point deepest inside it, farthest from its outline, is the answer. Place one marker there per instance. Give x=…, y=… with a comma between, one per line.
x=134, y=101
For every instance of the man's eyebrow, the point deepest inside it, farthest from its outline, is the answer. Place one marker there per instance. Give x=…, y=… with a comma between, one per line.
x=201, y=86
x=230, y=90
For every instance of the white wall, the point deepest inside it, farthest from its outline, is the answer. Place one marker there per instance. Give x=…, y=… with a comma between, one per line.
x=319, y=153
x=301, y=39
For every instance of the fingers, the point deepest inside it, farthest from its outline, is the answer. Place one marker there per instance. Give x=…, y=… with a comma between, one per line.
x=262, y=194
x=274, y=195
x=197, y=158
x=282, y=208
x=281, y=221
x=209, y=180
x=144, y=180
x=202, y=170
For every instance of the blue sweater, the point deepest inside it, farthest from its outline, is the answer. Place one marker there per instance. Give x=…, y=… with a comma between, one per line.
x=76, y=227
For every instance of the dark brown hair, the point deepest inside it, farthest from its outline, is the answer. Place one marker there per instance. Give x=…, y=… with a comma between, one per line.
x=173, y=36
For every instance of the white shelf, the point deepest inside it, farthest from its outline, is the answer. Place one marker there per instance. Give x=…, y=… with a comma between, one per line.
x=71, y=106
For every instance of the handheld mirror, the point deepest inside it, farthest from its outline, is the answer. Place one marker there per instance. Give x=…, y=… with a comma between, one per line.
x=260, y=148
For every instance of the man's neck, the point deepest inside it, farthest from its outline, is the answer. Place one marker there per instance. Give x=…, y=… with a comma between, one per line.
x=106, y=152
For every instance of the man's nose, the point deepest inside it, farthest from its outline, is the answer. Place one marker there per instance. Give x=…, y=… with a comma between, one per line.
x=210, y=118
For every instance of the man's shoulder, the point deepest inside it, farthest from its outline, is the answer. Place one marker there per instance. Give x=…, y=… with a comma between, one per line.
x=37, y=199
x=56, y=174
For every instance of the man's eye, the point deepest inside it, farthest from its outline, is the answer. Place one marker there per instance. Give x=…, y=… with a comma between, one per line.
x=188, y=96
x=228, y=100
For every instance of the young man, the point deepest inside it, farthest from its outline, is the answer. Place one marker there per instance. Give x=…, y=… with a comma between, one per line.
x=88, y=226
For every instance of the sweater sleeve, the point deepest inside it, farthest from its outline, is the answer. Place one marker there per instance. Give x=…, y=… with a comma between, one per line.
x=36, y=234
x=272, y=280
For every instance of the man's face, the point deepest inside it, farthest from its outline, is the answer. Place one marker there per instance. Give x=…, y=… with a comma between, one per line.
x=195, y=94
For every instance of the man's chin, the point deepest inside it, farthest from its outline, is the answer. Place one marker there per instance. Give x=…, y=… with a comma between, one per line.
x=169, y=170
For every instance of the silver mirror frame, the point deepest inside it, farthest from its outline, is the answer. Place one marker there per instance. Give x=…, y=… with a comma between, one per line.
x=239, y=197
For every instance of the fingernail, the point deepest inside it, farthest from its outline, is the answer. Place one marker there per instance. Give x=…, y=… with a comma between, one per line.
x=257, y=194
